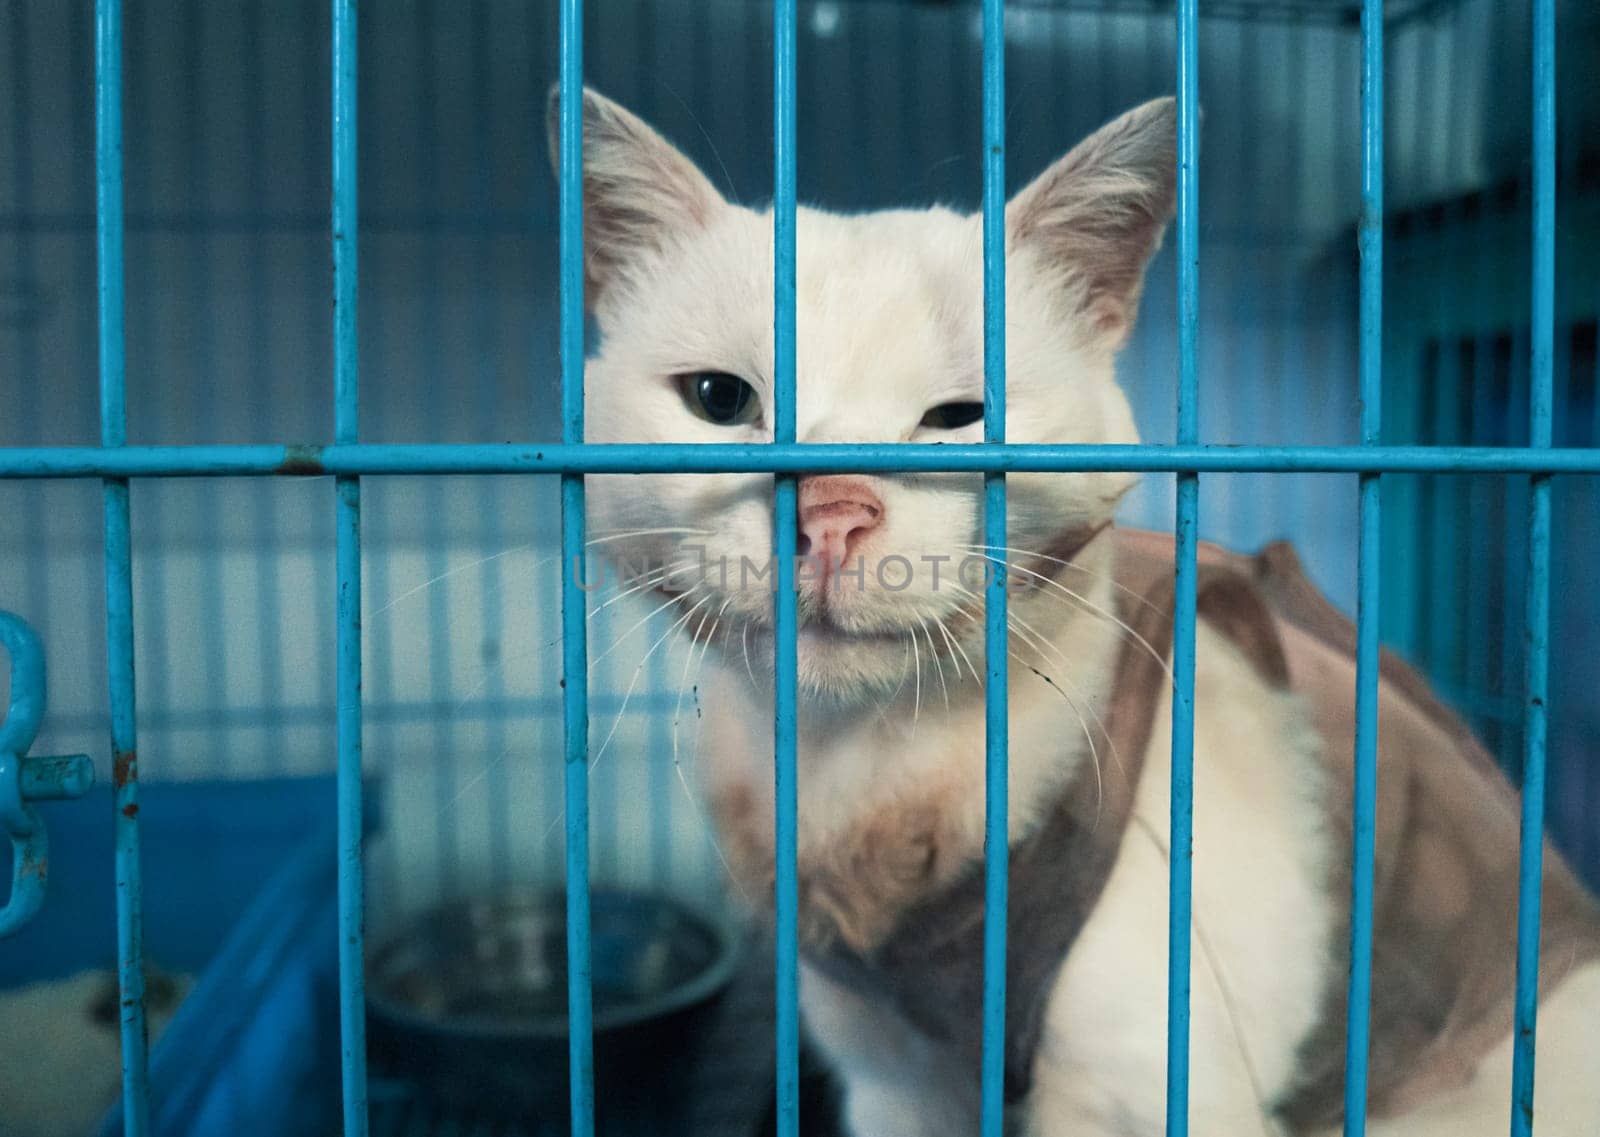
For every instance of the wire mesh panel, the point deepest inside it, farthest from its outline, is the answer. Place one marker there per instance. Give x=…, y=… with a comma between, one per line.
x=452, y=477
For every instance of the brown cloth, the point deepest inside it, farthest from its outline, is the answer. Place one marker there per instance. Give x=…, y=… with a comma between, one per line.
x=1446, y=858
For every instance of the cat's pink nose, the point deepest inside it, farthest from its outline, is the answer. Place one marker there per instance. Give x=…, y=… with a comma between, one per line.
x=836, y=512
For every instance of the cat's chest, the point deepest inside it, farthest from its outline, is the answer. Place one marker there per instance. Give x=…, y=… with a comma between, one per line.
x=886, y=817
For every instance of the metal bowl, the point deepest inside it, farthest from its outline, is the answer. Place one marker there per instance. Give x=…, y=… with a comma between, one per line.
x=469, y=1000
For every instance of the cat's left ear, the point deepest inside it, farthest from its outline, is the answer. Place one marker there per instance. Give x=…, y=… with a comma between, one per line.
x=1096, y=216
x=640, y=195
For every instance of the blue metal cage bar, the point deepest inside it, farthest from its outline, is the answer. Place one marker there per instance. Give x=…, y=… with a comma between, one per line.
x=369, y=458
x=574, y=604
x=1185, y=553
x=785, y=505
x=1368, y=562
x=996, y=630
x=347, y=604
x=1537, y=611
x=344, y=223
x=119, y=569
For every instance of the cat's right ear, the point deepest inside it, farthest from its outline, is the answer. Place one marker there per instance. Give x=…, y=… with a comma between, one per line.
x=640, y=195
x=1097, y=215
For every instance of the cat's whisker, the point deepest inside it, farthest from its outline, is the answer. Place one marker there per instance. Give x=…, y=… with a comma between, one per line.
x=668, y=603
x=505, y=661
x=608, y=537
x=711, y=835
x=703, y=642
x=1086, y=701
x=648, y=580
x=500, y=665
x=1089, y=606
x=937, y=663
x=727, y=178
x=371, y=617
x=489, y=673
x=1091, y=573
x=706, y=827
x=1072, y=704
x=1044, y=648
x=705, y=649
x=677, y=763
x=916, y=669
x=744, y=647
x=1024, y=631
x=633, y=682
x=623, y=534
x=955, y=643
x=446, y=575
x=888, y=700
x=623, y=709
x=683, y=678
x=482, y=773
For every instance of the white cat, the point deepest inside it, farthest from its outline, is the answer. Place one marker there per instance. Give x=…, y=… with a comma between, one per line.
x=891, y=780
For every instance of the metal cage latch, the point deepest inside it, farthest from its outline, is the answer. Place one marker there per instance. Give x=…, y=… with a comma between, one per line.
x=24, y=780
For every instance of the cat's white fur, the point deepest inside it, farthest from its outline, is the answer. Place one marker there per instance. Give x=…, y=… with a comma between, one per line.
x=1102, y=1058
x=889, y=321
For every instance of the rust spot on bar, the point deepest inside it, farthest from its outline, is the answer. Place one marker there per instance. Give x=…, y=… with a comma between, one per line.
x=124, y=768
x=35, y=867
x=302, y=459
x=131, y=810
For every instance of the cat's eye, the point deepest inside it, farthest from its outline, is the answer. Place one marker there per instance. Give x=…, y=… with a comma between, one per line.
x=953, y=416
x=719, y=397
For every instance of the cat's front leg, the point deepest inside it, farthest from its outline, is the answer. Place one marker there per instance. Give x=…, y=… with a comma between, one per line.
x=881, y=1109
x=1077, y=1118
x=895, y=1081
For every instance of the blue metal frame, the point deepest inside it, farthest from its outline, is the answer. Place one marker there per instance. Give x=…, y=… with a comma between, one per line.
x=785, y=505
x=368, y=458
x=119, y=569
x=996, y=629
x=347, y=460
x=1365, y=797
x=347, y=648
x=1181, y=836
x=574, y=624
x=1537, y=614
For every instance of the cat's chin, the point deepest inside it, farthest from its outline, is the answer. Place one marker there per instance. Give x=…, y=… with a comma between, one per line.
x=834, y=668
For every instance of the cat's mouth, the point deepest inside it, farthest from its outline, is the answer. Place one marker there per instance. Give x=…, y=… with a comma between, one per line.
x=824, y=632
x=828, y=629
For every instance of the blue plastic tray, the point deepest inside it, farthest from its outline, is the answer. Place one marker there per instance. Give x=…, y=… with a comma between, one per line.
x=239, y=889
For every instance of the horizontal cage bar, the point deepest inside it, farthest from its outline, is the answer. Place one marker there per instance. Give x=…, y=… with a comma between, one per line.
x=685, y=458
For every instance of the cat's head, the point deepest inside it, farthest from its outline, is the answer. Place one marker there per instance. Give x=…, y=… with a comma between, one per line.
x=890, y=349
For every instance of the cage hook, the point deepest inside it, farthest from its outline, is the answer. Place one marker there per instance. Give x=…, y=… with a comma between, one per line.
x=24, y=780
